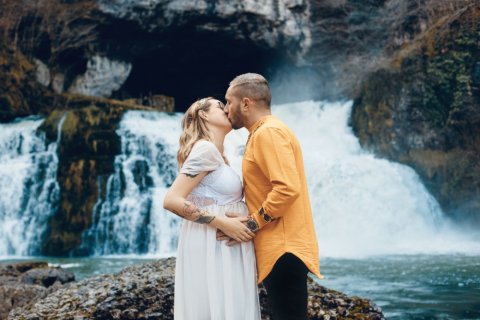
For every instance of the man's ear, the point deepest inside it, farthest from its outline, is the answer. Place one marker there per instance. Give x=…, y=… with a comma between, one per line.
x=246, y=103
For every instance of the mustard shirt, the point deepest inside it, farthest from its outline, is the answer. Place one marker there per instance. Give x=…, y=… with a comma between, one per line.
x=274, y=179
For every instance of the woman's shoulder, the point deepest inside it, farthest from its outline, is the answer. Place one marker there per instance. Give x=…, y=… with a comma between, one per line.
x=205, y=148
x=203, y=142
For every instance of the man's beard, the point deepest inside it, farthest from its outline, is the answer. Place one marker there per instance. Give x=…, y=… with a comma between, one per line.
x=235, y=125
x=237, y=122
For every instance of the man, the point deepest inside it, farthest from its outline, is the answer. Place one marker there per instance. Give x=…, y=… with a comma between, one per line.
x=277, y=198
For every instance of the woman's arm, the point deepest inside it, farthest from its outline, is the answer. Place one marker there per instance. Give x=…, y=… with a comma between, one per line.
x=176, y=202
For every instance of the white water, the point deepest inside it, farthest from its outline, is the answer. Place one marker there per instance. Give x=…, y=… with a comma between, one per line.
x=131, y=218
x=28, y=187
x=362, y=205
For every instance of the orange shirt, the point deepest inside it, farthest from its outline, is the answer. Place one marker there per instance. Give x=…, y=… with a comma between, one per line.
x=274, y=179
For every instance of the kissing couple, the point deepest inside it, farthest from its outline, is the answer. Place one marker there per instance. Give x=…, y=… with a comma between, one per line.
x=227, y=246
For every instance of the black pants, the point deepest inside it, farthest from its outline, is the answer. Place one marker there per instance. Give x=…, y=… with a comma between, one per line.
x=287, y=288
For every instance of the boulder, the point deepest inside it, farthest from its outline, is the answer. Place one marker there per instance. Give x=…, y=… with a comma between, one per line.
x=25, y=282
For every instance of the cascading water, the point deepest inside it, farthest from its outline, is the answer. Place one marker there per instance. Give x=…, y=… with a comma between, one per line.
x=28, y=188
x=362, y=205
x=131, y=219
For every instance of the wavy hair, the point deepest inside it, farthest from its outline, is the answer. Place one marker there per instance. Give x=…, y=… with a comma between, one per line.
x=194, y=128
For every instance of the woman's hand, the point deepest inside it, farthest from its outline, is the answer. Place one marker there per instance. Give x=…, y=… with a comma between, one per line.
x=233, y=228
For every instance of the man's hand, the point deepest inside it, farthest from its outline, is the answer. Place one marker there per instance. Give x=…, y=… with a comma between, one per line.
x=221, y=236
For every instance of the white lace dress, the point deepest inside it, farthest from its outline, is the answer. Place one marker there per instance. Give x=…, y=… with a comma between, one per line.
x=214, y=281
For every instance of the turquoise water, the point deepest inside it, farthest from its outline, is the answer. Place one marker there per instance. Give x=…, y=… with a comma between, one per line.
x=405, y=287
x=411, y=287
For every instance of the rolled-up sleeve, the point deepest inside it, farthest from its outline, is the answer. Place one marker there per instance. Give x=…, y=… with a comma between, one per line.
x=275, y=156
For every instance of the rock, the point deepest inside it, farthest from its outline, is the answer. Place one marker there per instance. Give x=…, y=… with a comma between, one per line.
x=158, y=102
x=25, y=282
x=146, y=292
x=275, y=24
x=46, y=277
x=103, y=76
x=20, y=93
x=352, y=38
x=126, y=49
x=423, y=110
x=42, y=73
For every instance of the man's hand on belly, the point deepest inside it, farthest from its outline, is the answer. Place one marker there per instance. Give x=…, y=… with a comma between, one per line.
x=223, y=237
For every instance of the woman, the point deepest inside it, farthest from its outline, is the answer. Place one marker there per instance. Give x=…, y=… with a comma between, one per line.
x=212, y=280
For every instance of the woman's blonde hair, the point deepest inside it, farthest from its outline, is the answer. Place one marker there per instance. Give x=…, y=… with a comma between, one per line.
x=194, y=128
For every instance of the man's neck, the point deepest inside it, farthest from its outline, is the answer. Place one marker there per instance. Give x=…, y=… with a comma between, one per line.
x=257, y=116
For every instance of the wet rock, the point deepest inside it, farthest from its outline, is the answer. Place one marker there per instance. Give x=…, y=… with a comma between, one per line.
x=146, y=292
x=25, y=282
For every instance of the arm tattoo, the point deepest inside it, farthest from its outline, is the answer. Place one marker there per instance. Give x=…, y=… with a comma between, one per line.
x=191, y=175
x=193, y=213
x=205, y=219
x=189, y=209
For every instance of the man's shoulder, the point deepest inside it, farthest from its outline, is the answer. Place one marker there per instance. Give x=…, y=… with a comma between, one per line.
x=273, y=123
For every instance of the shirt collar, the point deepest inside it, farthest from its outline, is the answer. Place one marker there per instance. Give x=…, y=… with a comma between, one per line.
x=258, y=123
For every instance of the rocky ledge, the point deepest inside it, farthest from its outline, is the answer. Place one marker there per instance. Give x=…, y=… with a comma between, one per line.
x=146, y=292
x=25, y=282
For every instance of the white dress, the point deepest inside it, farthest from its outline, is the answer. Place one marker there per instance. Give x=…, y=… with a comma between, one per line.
x=212, y=280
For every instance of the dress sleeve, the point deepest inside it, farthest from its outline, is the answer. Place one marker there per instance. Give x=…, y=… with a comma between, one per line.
x=204, y=157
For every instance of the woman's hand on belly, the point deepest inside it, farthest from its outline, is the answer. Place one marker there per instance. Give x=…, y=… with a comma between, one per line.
x=222, y=236
x=233, y=227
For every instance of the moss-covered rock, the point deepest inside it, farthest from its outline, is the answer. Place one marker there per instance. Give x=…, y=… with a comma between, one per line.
x=20, y=94
x=424, y=110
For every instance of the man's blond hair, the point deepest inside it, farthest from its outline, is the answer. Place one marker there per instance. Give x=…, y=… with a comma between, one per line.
x=253, y=86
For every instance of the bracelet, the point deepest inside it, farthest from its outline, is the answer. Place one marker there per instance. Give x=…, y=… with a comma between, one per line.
x=265, y=216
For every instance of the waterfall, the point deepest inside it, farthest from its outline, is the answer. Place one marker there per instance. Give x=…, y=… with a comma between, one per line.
x=362, y=205
x=130, y=219
x=29, y=191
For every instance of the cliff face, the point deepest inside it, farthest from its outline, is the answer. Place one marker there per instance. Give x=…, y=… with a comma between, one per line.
x=351, y=38
x=423, y=109
x=131, y=49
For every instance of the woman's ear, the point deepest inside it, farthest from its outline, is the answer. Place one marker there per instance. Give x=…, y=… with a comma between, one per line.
x=203, y=115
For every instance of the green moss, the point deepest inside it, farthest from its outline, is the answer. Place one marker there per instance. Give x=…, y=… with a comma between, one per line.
x=448, y=76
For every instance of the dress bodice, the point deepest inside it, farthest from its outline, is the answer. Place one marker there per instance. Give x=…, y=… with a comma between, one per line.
x=221, y=185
